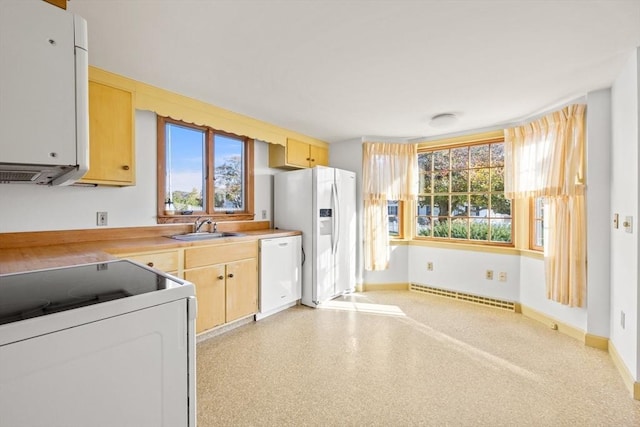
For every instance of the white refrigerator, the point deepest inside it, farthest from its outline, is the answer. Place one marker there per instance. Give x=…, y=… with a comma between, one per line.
x=320, y=202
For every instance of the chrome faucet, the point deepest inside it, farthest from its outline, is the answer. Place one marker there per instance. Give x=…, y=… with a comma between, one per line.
x=198, y=224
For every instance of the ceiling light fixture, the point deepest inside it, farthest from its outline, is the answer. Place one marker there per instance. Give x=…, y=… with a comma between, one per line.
x=443, y=120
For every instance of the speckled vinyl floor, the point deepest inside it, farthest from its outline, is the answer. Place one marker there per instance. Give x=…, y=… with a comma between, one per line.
x=400, y=359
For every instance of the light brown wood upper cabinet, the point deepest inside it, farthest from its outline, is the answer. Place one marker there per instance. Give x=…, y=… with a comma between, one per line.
x=111, y=135
x=297, y=155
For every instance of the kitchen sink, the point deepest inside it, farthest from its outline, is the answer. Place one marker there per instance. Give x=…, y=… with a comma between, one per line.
x=205, y=236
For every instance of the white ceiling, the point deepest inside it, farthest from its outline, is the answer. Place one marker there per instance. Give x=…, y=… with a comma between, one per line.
x=344, y=69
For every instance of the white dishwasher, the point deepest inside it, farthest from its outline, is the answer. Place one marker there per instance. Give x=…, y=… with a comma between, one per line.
x=280, y=274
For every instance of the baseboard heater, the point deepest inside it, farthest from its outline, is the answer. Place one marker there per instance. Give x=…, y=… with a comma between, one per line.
x=474, y=299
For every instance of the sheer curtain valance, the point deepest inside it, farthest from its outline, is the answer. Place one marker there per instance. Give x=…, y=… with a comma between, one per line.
x=390, y=172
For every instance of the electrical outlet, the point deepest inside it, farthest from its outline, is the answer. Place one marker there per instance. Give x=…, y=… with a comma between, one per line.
x=502, y=276
x=264, y=214
x=622, y=318
x=101, y=219
x=429, y=266
x=489, y=275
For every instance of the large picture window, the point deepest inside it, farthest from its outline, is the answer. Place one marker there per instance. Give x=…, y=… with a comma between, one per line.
x=203, y=171
x=461, y=194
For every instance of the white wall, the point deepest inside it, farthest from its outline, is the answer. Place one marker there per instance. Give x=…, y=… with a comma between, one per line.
x=26, y=207
x=465, y=271
x=624, y=201
x=533, y=295
x=348, y=155
x=598, y=190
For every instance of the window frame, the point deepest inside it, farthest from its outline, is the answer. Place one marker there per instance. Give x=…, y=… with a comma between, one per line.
x=469, y=141
x=209, y=212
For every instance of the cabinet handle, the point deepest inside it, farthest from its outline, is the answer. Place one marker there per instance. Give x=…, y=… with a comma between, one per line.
x=313, y=160
x=150, y=264
x=220, y=277
x=308, y=159
x=230, y=275
x=125, y=167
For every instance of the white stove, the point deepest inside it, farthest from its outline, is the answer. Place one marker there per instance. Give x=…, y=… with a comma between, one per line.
x=100, y=344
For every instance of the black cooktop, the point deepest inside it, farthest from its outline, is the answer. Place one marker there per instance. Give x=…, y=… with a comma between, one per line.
x=38, y=293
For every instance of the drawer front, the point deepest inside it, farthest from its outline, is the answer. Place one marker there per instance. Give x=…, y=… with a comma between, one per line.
x=219, y=254
x=163, y=261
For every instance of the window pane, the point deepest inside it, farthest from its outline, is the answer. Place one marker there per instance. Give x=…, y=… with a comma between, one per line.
x=228, y=173
x=538, y=223
x=460, y=205
x=441, y=160
x=441, y=182
x=392, y=214
x=501, y=230
x=479, y=156
x=441, y=205
x=479, y=205
x=539, y=237
x=460, y=181
x=425, y=183
x=479, y=229
x=459, y=228
x=497, y=179
x=479, y=179
x=424, y=205
x=423, y=226
x=441, y=227
x=460, y=158
x=185, y=166
x=500, y=206
x=424, y=161
x=497, y=154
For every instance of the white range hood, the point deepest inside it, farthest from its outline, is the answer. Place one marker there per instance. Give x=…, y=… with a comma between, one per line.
x=44, y=125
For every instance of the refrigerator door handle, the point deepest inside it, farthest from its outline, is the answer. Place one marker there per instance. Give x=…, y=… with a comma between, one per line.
x=335, y=225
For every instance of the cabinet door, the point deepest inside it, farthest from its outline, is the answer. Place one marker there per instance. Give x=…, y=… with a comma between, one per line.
x=319, y=156
x=110, y=135
x=210, y=294
x=242, y=288
x=297, y=153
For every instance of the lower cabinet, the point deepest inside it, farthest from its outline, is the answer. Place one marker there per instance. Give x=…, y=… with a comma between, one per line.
x=225, y=277
x=225, y=291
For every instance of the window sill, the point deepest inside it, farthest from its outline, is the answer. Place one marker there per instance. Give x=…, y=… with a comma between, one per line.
x=496, y=249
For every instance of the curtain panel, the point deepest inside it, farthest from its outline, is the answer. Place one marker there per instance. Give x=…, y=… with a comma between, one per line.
x=545, y=158
x=390, y=172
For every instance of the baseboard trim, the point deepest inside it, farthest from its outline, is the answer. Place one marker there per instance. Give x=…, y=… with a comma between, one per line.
x=552, y=323
x=596, y=341
x=385, y=287
x=632, y=385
